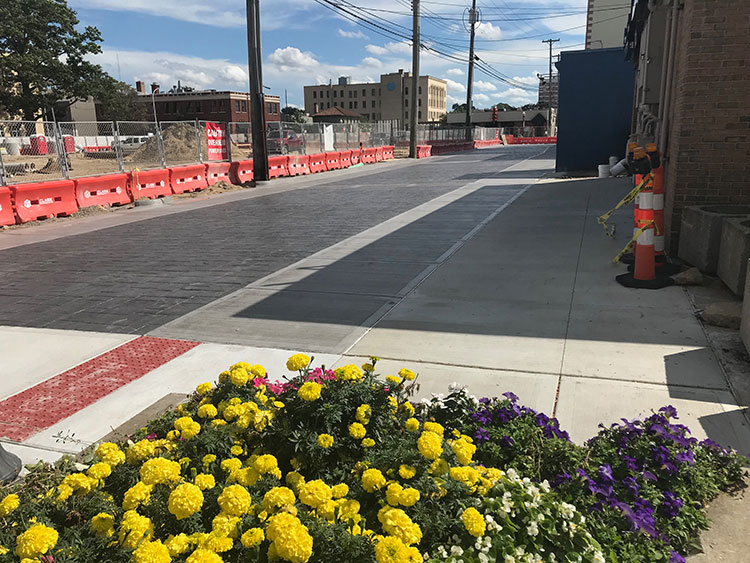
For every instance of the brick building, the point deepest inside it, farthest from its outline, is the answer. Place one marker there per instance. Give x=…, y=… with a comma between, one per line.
x=183, y=104
x=692, y=98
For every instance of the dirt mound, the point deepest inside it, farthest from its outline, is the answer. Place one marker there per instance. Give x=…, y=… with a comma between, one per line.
x=179, y=146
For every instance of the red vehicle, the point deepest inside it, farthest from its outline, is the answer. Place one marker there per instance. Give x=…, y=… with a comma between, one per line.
x=284, y=141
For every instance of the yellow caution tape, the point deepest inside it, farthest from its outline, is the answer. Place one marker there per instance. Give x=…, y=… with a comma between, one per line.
x=637, y=234
x=602, y=220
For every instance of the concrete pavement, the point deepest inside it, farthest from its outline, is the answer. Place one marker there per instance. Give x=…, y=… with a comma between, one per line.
x=471, y=268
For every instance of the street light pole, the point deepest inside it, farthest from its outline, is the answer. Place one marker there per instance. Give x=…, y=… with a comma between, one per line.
x=469, y=86
x=549, y=87
x=413, y=118
x=153, y=101
x=257, y=113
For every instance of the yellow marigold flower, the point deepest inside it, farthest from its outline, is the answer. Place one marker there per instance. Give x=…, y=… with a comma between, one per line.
x=314, y=493
x=412, y=425
x=239, y=376
x=110, y=453
x=236, y=450
x=463, y=450
x=368, y=442
x=297, y=362
x=253, y=537
x=235, y=500
x=247, y=476
x=407, y=471
x=151, y=552
x=407, y=374
x=266, y=464
x=160, y=470
x=225, y=525
x=64, y=492
x=434, y=427
x=99, y=470
x=357, y=431
x=349, y=510
x=393, y=403
x=103, y=525
x=204, y=481
x=138, y=494
x=204, y=388
x=187, y=427
x=278, y=497
x=393, y=380
x=466, y=475
x=177, y=545
x=8, y=505
x=3, y=550
x=408, y=408
x=325, y=440
x=290, y=540
x=36, y=541
x=327, y=510
x=204, y=556
x=372, y=480
x=218, y=422
x=367, y=367
x=134, y=529
x=439, y=467
x=340, y=490
x=258, y=370
x=224, y=376
x=139, y=451
x=310, y=391
x=392, y=550
x=473, y=522
x=363, y=414
x=392, y=493
x=397, y=523
x=408, y=497
x=231, y=465
x=79, y=482
x=185, y=500
x=207, y=411
x=295, y=480
x=430, y=445
x=208, y=459
x=349, y=372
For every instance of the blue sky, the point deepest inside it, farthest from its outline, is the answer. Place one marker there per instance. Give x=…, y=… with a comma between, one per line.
x=203, y=43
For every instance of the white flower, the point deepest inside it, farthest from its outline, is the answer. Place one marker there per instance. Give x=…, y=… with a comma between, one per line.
x=598, y=557
x=545, y=486
x=456, y=550
x=483, y=558
x=540, y=517
x=532, y=529
x=441, y=552
x=567, y=510
x=510, y=559
x=512, y=474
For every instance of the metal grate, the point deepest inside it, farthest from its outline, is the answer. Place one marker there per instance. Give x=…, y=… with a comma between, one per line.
x=51, y=401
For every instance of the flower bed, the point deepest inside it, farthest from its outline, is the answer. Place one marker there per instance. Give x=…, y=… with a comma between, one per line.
x=341, y=466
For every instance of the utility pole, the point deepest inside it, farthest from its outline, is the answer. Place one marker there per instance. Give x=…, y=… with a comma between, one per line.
x=469, y=86
x=257, y=113
x=549, y=87
x=413, y=122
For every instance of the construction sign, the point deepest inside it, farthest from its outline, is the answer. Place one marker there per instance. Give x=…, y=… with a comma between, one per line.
x=216, y=135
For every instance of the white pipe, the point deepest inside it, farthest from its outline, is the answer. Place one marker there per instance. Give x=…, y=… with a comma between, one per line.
x=619, y=168
x=668, y=89
x=604, y=171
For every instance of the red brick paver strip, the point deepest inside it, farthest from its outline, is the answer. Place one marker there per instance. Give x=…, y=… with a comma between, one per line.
x=63, y=395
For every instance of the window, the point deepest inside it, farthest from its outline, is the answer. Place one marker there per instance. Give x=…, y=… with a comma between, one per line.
x=419, y=102
x=372, y=92
x=364, y=104
x=350, y=94
x=420, y=89
x=328, y=94
x=419, y=115
x=406, y=102
x=364, y=92
x=334, y=93
x=329, y=104
x=244, y=106
x=316, y=108
x=355, y=93
x=407, y=114
x=270, y=108
x=350, y=105
x=355, y=105
x=406, y=90
x=315, y=94
x=236, y=105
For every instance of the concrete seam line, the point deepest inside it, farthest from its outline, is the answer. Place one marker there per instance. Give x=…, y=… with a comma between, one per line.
x=572, y=298
x=446, y=255
x=37, y=447
x=446, y=198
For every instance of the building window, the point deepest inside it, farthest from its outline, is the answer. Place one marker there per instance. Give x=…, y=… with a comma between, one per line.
x=406, y=91
x=407, y=114
x=364, y=104
x=350, y=105
x=316, y=108
x=329, y=104
x=372, y=92
x=334, y=93
x=419, y=115
x=419, y=102
x=270, y=108
x=364, y=92
x=420, y=90
x=350, y=94
x=236, y=105
x=244, y=106
x=406, y=102
x=315, y=94
x=355, y=105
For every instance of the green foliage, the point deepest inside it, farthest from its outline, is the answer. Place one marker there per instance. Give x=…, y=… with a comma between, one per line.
x=43, y=56
x=293, y=115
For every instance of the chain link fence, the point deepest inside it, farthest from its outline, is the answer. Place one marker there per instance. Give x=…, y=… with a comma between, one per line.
x=33, y=151
x=140, y=146
x=95, y=148
x=181, y=141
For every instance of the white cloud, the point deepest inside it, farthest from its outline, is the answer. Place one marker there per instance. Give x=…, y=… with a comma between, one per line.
x=485, y=30
x=390, y=48
x=530, y=80
x=352, y=34
x=486, y=86
x=234, y=73
x=454, y=86
x=454, y=72
x=372, y=62
x=291, y=59
x=483, y=98
x=516, y=96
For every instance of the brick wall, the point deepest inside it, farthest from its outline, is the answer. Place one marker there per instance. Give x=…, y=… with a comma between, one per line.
x=708, y=153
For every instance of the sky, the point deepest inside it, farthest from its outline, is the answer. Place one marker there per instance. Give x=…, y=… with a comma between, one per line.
x=203, y=43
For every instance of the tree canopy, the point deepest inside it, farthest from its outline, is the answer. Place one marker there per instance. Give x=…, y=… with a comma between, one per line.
x=292, y=114
x=117, y=101
x=43, y=56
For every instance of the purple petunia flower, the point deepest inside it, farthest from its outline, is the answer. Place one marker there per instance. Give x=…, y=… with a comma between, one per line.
x=672, y=504
x=511, y=396
x=605, y=474
x=675, y=557
x=669, y=411
x=481, y=435
x=507, y=441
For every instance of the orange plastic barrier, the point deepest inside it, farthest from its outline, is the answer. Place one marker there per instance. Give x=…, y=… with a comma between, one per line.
x=44, y=200
x=187, y=178
x=332, y=161
x=345, y=159
x=217, y=172
x=531, y=140
x=356, y=157
x=278, y=166
x=6, y=207
x=111, y=189
x=388, y=153
x=379, y=154
x=241, y=171
x=149, y=183
x=424, y=151
x=368, y=156
x=299, y=165
x=318, y=163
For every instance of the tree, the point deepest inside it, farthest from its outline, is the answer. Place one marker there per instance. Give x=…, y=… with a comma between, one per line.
x=117, y=101
x=43, y=56
x=293, y=115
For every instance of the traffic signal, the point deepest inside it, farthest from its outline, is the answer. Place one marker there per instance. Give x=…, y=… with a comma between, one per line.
x=494, y=113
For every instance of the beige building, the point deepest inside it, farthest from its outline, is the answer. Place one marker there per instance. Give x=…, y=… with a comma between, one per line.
x=388, y=99
x=606, y=23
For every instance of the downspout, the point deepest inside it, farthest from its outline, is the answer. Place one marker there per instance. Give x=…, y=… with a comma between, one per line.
x=664, y=122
